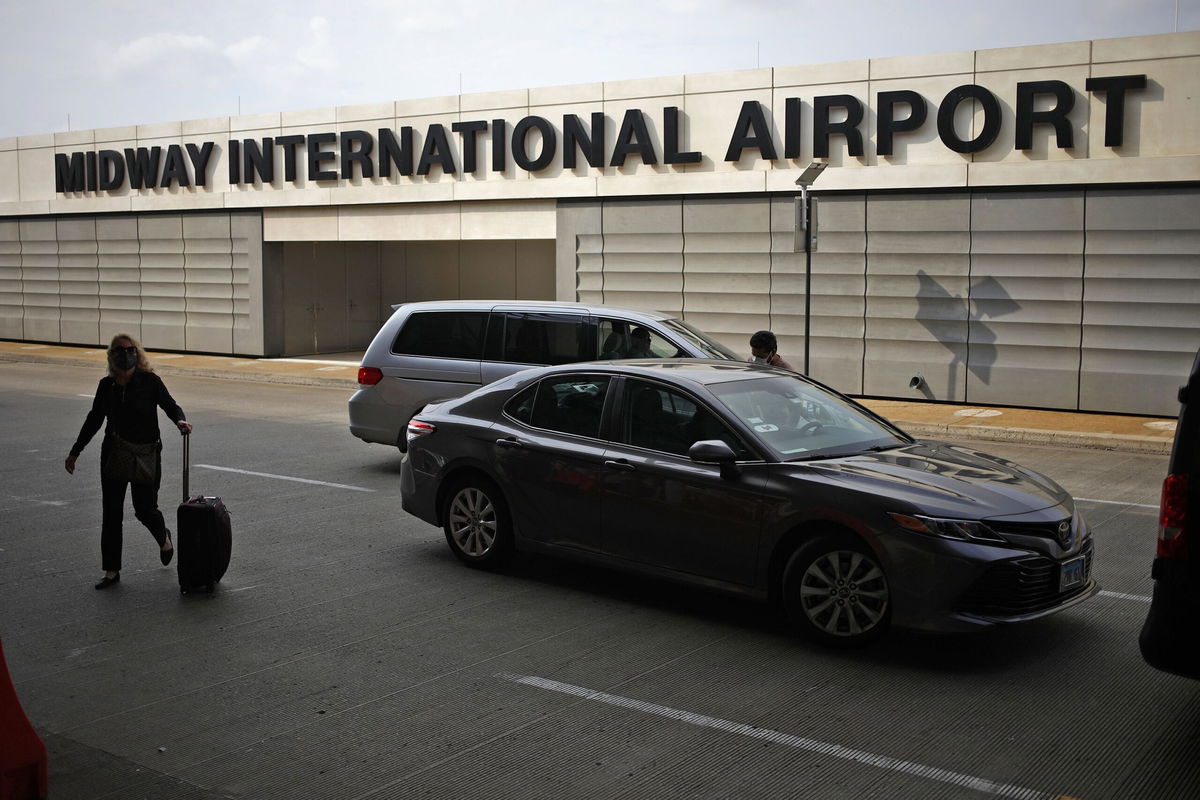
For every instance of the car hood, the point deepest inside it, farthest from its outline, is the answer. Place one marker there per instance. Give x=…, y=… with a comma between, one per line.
x=947, y=480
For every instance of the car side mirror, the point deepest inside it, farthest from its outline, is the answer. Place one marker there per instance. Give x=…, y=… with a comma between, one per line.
x=714, y=451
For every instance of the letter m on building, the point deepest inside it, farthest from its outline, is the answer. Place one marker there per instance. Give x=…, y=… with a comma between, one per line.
x=70, y=174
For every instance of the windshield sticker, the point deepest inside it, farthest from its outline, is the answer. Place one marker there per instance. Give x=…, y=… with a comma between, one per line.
x=766, y=427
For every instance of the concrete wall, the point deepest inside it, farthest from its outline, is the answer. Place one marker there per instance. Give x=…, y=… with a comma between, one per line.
x=1078, y=299
x=179, y=282
x=1161, y=143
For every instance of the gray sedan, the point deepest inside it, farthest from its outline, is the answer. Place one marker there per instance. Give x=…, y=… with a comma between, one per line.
x=749, y=479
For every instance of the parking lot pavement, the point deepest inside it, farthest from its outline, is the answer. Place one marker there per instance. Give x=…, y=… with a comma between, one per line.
x=347, y=653
x=923, y=419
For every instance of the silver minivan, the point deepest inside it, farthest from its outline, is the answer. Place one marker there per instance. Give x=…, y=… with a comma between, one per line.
x=443, y=349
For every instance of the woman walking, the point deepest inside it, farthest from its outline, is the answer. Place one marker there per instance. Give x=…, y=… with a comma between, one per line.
x=130, y=455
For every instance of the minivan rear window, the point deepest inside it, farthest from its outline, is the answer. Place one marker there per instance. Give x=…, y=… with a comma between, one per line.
x=443, y=334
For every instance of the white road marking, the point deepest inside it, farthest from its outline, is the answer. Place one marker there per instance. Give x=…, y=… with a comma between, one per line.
x=287, y=478
x=1115, y=503
x=1141, y=598
x=38, y=502
x=778, y=737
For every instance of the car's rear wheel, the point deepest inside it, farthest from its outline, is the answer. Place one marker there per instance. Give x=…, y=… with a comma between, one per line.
x=835, y=592
x=477, y=524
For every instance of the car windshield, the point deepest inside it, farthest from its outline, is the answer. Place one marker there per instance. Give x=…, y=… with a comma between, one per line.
x=798, y=420
x=700, y=340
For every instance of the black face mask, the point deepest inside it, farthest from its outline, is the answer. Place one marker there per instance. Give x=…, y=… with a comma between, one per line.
x=123, y=359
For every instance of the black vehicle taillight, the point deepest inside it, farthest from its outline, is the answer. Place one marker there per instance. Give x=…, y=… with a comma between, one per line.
x=369, y=376
x=1172, y=519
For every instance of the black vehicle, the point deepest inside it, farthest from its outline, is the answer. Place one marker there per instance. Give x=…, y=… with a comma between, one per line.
x=750, y=479
x=1170, y=638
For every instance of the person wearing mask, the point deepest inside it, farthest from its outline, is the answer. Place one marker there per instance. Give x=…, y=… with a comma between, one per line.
x=126, y=403
x=764, y=349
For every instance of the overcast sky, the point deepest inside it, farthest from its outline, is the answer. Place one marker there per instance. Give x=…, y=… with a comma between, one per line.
x=118, y=62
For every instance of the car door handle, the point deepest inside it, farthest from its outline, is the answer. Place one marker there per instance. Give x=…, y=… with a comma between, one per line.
x=622, y=465
x=510, y=443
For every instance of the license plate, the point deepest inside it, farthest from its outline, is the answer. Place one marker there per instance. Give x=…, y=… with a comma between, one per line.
x=1072, y=573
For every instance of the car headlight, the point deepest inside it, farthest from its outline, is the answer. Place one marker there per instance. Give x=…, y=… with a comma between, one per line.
x=965, y=530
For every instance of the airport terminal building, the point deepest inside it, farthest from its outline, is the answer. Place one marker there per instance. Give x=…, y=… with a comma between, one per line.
x=1017, y=226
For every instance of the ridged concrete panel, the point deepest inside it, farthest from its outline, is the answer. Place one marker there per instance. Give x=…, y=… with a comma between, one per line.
x=918, y=267
x=39, y=280
x=1141, y=300
x=838, y=288
x=246, y=234
x=79, y=286
x=643, y=255
x=208, y=283
x=12, y=311
x=727, y=267
x=120, y=277
x=579, y=252
x=589, y=255
x=163, y=277
x=1026, y=295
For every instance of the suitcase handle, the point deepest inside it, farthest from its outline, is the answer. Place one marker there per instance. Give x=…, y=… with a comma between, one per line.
x=186, y=460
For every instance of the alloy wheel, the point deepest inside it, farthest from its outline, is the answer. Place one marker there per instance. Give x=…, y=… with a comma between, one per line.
x=844, y=593
x=473, y=521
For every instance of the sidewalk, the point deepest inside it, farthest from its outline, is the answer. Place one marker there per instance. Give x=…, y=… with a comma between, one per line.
x=927, y=420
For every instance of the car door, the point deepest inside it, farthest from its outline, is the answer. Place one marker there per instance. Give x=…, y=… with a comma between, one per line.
x=518, y=340
x=549, y=455
x=658, y=506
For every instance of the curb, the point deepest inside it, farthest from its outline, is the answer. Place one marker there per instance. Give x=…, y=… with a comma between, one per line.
x=1123, y=442
x=162, y=368
x=1128, y=443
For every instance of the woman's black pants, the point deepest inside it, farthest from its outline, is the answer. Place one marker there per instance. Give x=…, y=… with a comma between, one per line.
x=145, y=508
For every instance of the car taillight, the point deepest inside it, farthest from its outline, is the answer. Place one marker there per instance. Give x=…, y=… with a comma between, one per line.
x=1172, y=517
x=369, y=376
x=417, y=429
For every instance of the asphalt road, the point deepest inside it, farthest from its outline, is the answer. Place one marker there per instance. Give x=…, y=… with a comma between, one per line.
x=347, y=654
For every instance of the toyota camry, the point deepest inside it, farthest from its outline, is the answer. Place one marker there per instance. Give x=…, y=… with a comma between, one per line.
x=750, y=479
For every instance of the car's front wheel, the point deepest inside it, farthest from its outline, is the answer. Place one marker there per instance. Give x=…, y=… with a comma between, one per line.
x=834, y=591
x=477, y=524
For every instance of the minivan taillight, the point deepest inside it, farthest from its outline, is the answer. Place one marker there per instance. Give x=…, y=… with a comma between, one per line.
x=1172, y=543
x=417, y=429
x=369, y=376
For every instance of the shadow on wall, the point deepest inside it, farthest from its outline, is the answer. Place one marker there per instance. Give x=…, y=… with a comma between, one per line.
x=987, y=300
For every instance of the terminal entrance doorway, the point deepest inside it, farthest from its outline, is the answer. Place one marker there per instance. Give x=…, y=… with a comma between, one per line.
x=332, y=297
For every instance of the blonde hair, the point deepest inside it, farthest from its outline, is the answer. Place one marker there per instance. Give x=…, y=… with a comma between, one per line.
x=143, y=363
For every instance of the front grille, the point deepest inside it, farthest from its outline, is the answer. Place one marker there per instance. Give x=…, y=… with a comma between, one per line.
x=1043, y=530
x=1020, y=586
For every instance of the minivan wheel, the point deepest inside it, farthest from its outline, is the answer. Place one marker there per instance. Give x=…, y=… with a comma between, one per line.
x=835, y=592
x=477, y=524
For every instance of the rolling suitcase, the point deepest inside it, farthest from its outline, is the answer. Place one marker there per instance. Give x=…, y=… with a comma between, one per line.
x=204, y=537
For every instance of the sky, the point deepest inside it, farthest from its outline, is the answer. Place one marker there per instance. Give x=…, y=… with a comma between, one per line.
x=80, y=64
